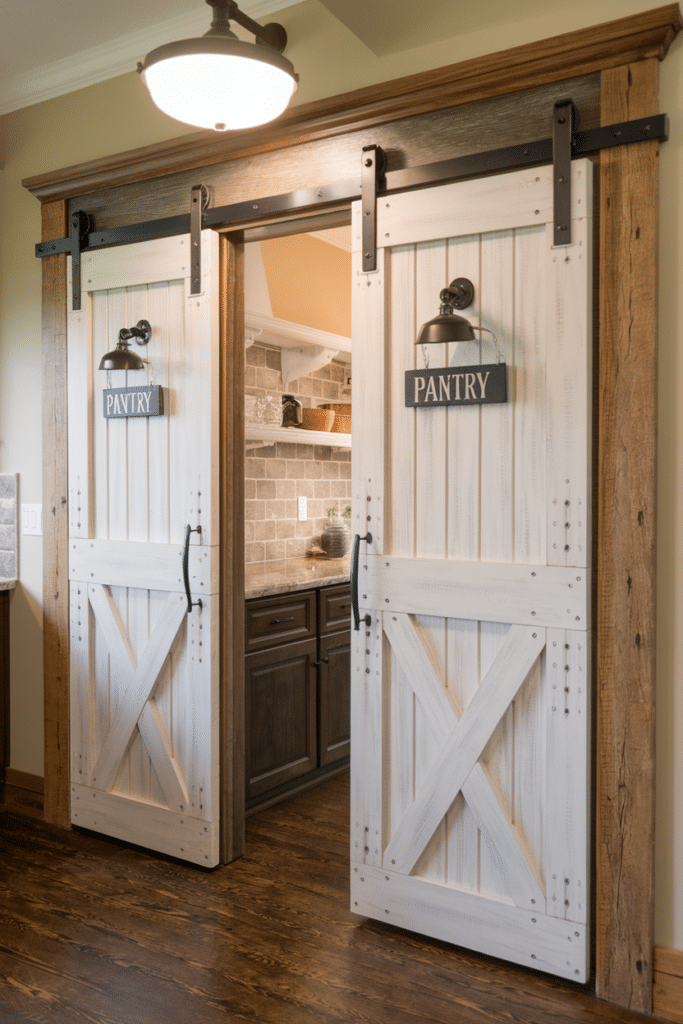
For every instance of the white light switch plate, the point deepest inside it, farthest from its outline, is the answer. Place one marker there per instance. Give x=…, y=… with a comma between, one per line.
x=32, y=520
x=303, y=509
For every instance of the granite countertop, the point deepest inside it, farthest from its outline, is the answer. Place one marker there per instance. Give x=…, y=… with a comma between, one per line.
x=7, y=584
x=263, y=579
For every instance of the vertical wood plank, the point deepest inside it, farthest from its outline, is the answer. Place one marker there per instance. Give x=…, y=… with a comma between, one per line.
x=569, y=363
x=463, y=542
x=567, y=773
x=117, y=429
x=79, y=399
x=99, y=330
x=81, y=697
x=159, y=316
x=400, y=521
x=55, y=523
x=430, y=520
x=368, y=709
x=231, y=489
x=626, y=547
x=142, y=778
x=369, y=396
x=527, y=385
x=497, y=515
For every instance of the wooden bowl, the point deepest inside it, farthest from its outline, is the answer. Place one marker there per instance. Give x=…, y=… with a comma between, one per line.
x=317, y=419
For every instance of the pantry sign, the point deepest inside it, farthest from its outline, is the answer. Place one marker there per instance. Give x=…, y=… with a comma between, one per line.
x=140, y=401
x=456, y=385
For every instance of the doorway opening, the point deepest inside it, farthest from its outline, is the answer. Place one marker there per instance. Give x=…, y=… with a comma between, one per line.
x=297, y=481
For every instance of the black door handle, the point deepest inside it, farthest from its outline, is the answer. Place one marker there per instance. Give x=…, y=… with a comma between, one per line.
x=186, y=567
x=354, y=580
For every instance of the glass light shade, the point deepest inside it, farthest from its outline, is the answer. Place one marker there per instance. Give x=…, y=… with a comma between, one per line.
x=219, y=83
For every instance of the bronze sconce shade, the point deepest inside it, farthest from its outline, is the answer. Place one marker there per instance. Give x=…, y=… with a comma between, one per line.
x=121, y=358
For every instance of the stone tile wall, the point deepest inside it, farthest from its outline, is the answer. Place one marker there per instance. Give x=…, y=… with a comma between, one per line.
x=8, y=526
x=277, y=475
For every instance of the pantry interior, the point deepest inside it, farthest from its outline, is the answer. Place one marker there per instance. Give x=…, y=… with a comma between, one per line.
x=297, y=512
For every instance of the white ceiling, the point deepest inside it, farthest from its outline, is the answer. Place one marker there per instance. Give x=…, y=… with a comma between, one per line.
x=50, y=47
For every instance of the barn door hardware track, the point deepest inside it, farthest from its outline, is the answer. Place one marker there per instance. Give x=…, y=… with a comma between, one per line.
x=84, y=238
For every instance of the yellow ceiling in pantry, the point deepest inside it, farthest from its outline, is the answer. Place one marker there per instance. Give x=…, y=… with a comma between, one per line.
x=309, y=282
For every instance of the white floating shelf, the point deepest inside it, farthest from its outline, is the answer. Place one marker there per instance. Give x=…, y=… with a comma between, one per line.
x=285, y=334
x=304, y=349
x=260, y=434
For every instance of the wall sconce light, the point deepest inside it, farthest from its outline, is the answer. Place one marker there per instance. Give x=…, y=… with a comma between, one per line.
x=219, y=81
x=121, y=358
x=448, y=326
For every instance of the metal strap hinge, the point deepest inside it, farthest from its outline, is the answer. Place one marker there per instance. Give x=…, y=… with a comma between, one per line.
x=80, y=226
x=199, y=199
x=565, y=115
x=372, y=181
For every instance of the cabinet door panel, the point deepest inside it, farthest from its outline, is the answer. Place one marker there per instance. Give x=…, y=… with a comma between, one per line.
x=280, y=715
x=335, y=684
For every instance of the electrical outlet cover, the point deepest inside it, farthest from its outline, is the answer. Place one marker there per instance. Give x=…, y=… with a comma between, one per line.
x=32, y=520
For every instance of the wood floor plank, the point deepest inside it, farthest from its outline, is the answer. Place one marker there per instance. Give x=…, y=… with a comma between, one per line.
x=93, y=931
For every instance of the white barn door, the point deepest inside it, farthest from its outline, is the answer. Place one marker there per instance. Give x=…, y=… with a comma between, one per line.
x=471, y=683
x=144, y=669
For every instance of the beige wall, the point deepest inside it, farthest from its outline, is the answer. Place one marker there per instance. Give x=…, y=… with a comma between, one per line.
x=117, y=115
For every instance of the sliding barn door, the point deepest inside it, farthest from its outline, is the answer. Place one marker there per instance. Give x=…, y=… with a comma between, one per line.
x=144, y=668
x=471, y=676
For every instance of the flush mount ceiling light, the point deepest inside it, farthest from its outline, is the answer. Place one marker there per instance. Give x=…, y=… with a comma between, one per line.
x=217, y=80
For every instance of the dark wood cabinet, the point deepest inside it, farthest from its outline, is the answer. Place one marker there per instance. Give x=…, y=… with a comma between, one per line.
x=334, y=690
x=281, y=709
x=297, y=693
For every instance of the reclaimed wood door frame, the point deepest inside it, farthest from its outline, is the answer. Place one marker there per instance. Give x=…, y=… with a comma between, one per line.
x=625, y=53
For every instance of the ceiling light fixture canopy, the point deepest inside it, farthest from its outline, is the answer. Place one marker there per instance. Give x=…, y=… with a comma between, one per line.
x=219, y=81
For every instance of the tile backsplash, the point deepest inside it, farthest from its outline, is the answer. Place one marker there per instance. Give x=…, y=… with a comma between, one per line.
x=8, y=525
x=277, y=475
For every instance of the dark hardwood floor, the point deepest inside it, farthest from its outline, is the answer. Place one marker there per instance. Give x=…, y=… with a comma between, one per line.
x=94, y=931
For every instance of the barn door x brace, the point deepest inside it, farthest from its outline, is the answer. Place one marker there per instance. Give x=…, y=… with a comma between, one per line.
x=374, y=182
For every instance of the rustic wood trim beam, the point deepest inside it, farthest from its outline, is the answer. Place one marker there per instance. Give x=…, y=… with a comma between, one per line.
x=55, y=524
x=610, y=45
x=627, y=494
x=232, y=613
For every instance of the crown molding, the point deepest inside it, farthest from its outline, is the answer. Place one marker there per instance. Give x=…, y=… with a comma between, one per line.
x=118, y=57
